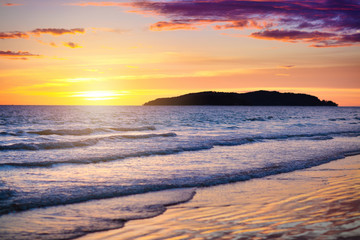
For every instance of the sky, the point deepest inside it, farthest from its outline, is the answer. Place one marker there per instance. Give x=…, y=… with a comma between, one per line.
x=79, y=52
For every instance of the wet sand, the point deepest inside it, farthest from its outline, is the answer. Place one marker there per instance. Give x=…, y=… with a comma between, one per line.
x=322, y=202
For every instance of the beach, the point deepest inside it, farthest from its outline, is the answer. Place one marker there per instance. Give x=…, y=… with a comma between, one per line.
x=321, y=202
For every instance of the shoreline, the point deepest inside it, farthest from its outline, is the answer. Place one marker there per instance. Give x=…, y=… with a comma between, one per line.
x=320, y=201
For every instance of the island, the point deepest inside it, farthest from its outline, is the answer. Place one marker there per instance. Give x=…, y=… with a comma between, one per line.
x=257, y=98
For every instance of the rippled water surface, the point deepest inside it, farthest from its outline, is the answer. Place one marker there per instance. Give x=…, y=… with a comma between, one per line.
x=82, y=169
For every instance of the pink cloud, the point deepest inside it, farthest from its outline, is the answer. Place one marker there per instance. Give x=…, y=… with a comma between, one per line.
x=57, y=31
x=13, y=35
x=173, y=25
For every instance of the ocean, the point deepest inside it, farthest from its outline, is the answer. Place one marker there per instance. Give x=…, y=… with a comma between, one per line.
x=66, y=171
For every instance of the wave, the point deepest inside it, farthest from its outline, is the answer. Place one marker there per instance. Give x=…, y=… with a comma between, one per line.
x=91, y=192
x=72, y=132
x=88, y=131
x=256, y=119
x=313, y=136
x=16, y=133
x=74, y=144
x=199, y=146
x=78, y=221
x=145, y=128
x=108, y=158
x=48, y=145
x=148, y=135
x=337, y=119
x=192, y=146
x=6, y=193
x=100, y=193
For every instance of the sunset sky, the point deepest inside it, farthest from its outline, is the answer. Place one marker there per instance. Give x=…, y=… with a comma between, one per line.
x=129, y=52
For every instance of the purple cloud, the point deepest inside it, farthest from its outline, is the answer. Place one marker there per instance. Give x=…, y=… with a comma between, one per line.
x=326, y=23
x=37, y=32
x=293, y=35
x=18, y=55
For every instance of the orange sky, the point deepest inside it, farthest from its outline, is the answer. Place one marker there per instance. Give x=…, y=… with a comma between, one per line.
x=127, y=53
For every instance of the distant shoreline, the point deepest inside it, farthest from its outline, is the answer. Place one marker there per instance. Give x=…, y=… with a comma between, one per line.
x=257, y=98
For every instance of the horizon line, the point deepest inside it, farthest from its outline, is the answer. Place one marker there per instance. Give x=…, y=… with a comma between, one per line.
x=115, y=105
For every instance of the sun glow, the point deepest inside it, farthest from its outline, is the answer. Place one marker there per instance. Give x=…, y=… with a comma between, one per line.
x=98, y=95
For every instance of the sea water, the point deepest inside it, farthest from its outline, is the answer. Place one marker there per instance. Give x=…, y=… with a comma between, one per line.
x=66, y=171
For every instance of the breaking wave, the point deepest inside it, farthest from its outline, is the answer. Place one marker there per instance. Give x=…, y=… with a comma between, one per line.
x=88, y=131
x=74, y=144
x=196, y=145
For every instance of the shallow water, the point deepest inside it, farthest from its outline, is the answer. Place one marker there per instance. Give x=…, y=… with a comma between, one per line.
x=316, y=203
x=58, y=162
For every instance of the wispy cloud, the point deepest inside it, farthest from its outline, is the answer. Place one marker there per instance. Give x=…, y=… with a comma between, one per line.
x=52, y=44
x=77, y=80
x=326, y=23
x=39, y=31
x=242, y=24
x=57, y=31
x=112, y=30
x=287, y=66
x=11, y=4
x=98, y=95
x=294, y=35
x=100, y=4
x=173, y=25
x=72, y=45
x=13, y=35
x=18, y=55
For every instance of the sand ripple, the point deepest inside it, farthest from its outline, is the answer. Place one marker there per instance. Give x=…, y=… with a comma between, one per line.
x=319, y=203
